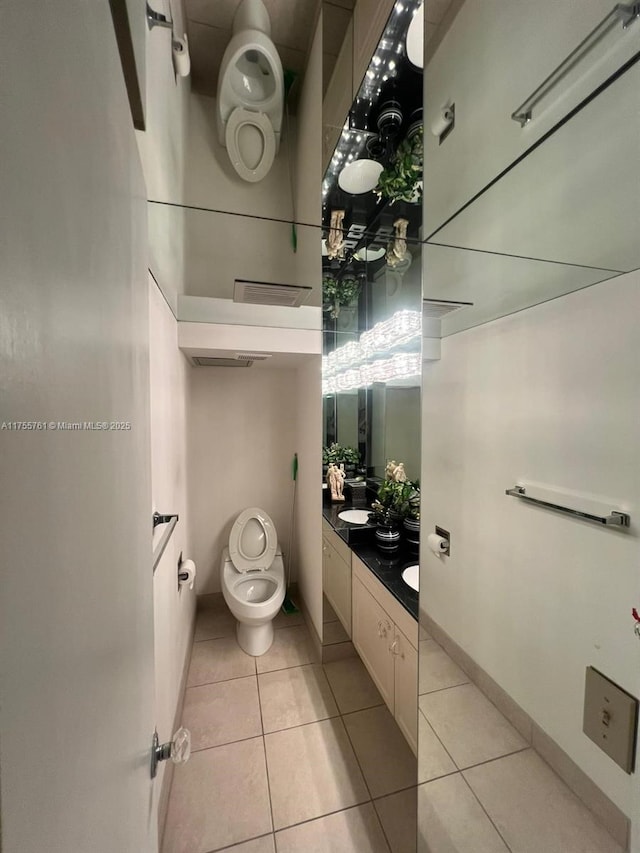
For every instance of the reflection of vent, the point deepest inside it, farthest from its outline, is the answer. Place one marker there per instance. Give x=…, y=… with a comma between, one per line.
x=436, y=308
x=263, y=293
x=252, y=356
x=204, y=361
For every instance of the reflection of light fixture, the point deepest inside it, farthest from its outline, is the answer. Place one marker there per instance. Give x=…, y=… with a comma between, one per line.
x=366, y=254
x=402, y=365
x=359, y=176
x=399, y=330
x=415, y=38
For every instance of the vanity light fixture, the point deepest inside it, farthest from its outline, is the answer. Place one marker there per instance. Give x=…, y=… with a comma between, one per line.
x=402, y=365
x=399, y=330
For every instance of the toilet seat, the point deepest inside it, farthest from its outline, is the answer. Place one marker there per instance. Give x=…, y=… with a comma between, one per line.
x=253, y=541
x=250, y=130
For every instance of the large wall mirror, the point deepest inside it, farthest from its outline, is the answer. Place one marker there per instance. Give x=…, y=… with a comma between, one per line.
x=529, y=119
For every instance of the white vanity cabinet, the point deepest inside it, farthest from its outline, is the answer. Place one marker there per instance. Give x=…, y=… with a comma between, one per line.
x=336, y=574
x=386, y=638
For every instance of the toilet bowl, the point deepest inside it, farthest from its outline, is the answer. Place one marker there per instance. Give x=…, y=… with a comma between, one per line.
x=252, y=579
x=250, y=94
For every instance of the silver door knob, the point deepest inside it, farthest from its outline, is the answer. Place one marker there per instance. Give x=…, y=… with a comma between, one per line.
x=178, y=749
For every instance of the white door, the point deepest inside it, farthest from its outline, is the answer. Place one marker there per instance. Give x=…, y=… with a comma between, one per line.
x=76, y=630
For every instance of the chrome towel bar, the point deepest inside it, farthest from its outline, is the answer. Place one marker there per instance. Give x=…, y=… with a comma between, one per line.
x=621, y=12
x=614, y=519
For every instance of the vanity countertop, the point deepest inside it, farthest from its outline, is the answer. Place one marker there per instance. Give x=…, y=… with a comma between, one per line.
x=361, y=540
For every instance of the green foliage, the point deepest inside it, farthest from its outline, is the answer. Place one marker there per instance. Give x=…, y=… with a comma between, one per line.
x=396, y=501
x=337, y=293
x=400, y=181
x=335, y=453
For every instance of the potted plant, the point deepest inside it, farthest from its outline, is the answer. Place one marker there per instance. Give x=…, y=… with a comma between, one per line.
x=398, y=502
x=335, y=454
x=338, y=293
x=402, y=179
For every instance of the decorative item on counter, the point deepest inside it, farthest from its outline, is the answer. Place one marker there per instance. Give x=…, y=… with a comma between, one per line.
x=387, y=538
x=636, y=617
x=398, y=502
x=338, y=293
x=397, y=248
x=335, y=479
x=335, y=240
x=402, y=179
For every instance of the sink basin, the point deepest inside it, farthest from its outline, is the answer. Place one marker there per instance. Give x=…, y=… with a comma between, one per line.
x=354, y=516
x=411, y=576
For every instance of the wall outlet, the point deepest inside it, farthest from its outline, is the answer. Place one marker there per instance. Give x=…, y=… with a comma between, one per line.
x=610, y=718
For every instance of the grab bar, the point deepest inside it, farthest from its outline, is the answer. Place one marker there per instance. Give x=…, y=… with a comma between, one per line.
x=626, y=13
x=614, y=519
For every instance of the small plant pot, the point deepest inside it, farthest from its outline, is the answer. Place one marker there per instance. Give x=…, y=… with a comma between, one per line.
x=412, y=533
x=387, y=538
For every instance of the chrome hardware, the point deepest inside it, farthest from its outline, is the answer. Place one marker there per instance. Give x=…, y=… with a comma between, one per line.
x=383, y=627
x=155, y=19
x=614, y=519
x=621, y=12
x=170, y=521
x=178, y=749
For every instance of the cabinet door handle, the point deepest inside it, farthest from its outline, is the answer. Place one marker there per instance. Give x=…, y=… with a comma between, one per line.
x=383, y=628
x=393, y=648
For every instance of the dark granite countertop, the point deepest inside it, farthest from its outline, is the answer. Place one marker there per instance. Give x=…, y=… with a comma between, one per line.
x=361, y=540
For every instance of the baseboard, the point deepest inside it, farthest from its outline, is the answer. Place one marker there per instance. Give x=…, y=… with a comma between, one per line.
x=612, y=818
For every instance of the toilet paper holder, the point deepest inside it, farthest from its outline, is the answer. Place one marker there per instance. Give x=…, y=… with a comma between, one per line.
x=440, y=531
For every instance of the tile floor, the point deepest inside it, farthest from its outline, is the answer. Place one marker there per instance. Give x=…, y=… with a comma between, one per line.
x=288, y=755
x=291, y=756
x=482, y=788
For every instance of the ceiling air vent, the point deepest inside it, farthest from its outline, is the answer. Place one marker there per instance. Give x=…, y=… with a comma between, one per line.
x=252, y=356
x=264, y=293
x=437, y=308
x=205, y=361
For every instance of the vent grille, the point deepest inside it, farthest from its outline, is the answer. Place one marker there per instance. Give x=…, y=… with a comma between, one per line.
x=205, y=361
x=252, y=356
x=437, y=308
x=264, y=293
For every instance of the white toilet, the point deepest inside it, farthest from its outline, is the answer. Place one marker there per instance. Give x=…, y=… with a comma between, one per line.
x=250, y=93
x=252, y=579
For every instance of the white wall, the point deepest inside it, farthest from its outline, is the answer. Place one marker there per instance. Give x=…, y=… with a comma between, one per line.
x=241, y=441
x=76, y=633
x=173, y=608
x=549, y=395
x=308, y=517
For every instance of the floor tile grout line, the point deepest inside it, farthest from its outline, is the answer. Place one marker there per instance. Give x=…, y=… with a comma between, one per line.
x=319, y=817
x=381, y=825
x=438, y=738
x=266, y=760
x=442, y=689
x=377, y=813
x=249, y=675
x=497, y=758
x=232, y=634
x=239, y=843
x=480, y=803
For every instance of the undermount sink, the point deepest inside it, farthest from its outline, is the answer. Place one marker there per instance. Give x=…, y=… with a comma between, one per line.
x=354, y=516
x=411, y=576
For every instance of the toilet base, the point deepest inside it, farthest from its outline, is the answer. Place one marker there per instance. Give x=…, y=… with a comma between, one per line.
x=254, y=639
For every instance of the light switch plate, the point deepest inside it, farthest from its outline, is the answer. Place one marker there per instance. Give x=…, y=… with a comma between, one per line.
x=610, y=718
